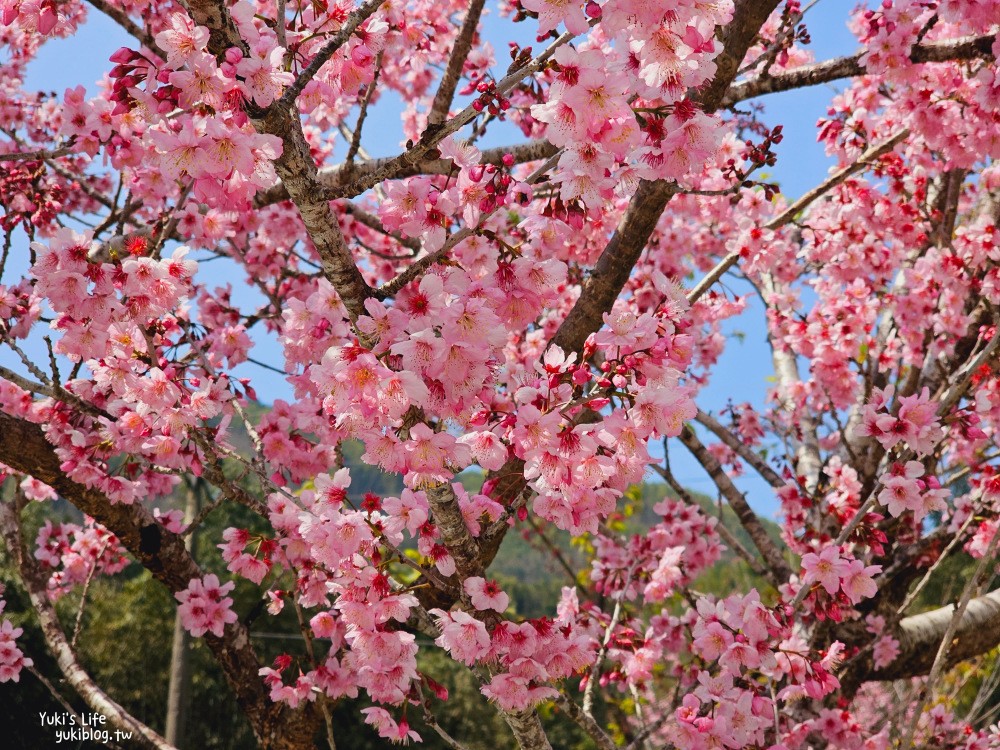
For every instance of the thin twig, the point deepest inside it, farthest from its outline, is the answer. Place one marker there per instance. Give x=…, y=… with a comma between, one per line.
x=793, y=210
x=39, y=155
x=83, y=595
x=328, y=50
x=120, y=17
x=365, y=101
x=595, y=670
x=741, y=449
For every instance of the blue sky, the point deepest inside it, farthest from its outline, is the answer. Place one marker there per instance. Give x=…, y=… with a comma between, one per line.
x=743, y=372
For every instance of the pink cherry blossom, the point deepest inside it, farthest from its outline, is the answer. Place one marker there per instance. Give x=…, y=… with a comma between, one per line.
x=486, y=594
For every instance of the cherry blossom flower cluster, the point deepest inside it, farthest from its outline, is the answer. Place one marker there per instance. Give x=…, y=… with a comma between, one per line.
x=44, y=16
x=204, y=606
x=331, y=545
x=531, y=654
x=336, y=554
x=253, y=565
x=844, y=579
x=579, y=470
x=12, y=659
x=913, y=421
x=905, y=489
x=451, y=366
x=656, y=563
x=424, y=208
x=886, y=647
x=117, y=318
x=640, y=60
x=77, y=553
x=742, y=652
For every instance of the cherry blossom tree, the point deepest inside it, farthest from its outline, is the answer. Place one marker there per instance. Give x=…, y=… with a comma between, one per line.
x=548, y=311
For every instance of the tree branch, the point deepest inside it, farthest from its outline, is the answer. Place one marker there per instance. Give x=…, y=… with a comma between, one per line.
x=453, y=71
x=623, y=250
x=214, y=15
x=920, y=637
x=778, y=567
x=455, y=534
x=789, y=214
x=328, y=50
x=24, y=448
x=55, y=638
x=527, y=729
x=39, y=154
x=120, y=17
x=964, y=48
x=298, y=173
x=585, y=722
x=333, y=179
x=741, y=449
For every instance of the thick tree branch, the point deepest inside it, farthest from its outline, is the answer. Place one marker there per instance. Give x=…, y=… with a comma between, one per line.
x=333, y=179
x=615, y=265
x=38, y=154
x=455, y=534
x=55, y=638
x=298, y=173
x=295, y=166
x=624, y=249
x=736, y=38
x=23, y=447
x=527, y=729
x=920, y=637
x=453, y=71
x=214, y=15
x=637, y=225
x=779, y=571
x=965, y=48
x=741, y=449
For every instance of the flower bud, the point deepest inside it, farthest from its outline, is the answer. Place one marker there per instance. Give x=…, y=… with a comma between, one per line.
x=122, y=55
